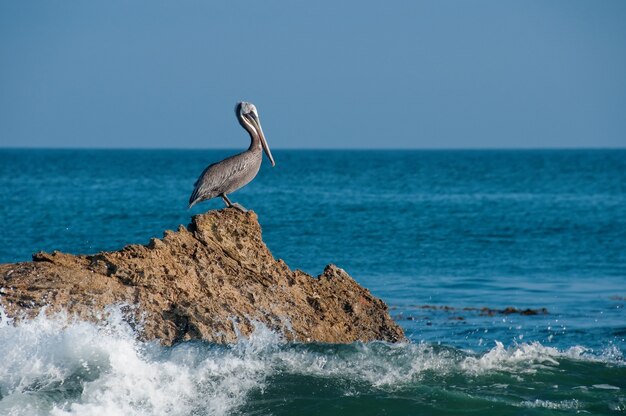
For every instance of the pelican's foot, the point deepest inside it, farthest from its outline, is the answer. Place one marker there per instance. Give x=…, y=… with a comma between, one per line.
x=239, y=207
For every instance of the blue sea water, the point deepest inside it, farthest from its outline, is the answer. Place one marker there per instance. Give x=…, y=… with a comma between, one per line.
x=437, y=235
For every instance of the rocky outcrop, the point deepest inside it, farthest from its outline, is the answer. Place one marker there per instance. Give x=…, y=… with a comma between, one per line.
x=211, y=280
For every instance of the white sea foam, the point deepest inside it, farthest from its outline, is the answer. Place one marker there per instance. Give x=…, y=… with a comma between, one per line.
x=120, y=376
x=556, y=405
x=523, y=358
x=60, y=366
x=378, y=364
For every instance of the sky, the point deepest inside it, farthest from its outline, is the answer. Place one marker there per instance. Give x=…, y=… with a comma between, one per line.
x=323, y=74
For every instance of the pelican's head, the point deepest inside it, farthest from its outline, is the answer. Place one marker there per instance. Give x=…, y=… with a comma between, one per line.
x=249, y=119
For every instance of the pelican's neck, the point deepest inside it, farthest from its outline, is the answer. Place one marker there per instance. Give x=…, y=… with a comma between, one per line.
x=255, y=141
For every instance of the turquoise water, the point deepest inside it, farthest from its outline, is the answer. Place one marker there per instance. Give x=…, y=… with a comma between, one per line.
x=454, y=230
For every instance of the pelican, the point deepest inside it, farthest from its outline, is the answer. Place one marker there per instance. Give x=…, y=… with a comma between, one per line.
x=234, y=172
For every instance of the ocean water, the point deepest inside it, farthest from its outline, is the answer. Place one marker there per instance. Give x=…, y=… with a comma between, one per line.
x=438, y=235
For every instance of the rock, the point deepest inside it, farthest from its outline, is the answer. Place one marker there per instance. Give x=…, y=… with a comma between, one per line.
x=213, y=280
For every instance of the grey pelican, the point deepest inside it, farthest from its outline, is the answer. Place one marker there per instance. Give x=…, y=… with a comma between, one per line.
x=234, y=172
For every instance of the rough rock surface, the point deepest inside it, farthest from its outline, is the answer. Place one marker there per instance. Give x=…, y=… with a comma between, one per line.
x=211, y=280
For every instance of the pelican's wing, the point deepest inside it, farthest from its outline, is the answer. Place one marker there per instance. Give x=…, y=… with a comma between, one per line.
x=211, y=181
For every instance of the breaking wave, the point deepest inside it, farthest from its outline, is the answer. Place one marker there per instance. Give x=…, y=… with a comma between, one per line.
x=61, y=366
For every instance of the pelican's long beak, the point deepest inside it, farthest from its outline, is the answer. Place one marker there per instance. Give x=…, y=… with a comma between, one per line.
x=266, y=148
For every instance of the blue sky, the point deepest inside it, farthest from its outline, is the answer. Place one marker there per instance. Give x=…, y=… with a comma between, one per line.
x=323, y=74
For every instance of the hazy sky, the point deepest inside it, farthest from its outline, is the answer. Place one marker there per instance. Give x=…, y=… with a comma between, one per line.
x=323, y=74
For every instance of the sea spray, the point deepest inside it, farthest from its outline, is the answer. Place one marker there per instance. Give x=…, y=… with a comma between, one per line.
x=57, y=365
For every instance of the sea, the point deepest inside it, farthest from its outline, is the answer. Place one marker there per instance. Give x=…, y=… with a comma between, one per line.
x=505, y=268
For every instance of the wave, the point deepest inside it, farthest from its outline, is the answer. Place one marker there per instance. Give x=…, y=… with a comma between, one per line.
x=57, y=365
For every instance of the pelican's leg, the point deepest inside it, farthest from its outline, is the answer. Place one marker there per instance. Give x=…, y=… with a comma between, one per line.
x=226, y=201
x=230, y=204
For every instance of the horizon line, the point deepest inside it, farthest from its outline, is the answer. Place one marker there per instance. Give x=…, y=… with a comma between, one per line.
x=321, y=148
